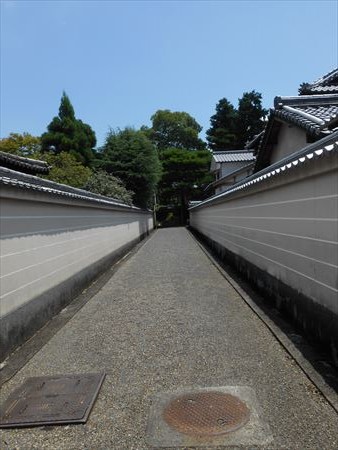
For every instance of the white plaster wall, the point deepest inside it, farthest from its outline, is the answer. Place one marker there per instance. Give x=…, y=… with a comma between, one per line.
x=286, y=226
x=229, y=181
x=290, y=139
x=45, y=241
x=229, y=167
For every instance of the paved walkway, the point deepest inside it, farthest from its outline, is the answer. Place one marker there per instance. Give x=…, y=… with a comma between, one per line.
x=167, y=319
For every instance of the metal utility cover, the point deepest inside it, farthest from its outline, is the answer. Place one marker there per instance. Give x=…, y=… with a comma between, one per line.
x=206, y=413
x=207, y=417
x=51, y=400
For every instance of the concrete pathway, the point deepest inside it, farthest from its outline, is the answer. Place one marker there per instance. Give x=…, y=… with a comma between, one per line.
x=167, y=319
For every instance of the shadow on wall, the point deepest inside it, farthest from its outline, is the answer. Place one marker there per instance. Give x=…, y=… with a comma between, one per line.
x=143, y=229
x=49, y=259
x=317, y=323
x=23, y=322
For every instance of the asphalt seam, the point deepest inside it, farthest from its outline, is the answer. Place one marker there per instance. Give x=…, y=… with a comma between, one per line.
x=23, y=354
x=313, y=376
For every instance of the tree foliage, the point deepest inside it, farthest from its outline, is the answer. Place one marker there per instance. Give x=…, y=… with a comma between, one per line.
x=65, y=169
x=250, y=117
x=185, y=174
x=129, y=155
x=175, y=130
x=20, y=144
x=222, y=133
x=65, y=133
x=102, y=183
x=184, y=159
x=231, y=128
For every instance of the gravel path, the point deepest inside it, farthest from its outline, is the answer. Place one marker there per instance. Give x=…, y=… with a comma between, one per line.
x=167, y=319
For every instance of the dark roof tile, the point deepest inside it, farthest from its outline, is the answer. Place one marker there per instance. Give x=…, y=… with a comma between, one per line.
x=233, y=156
x=313, y=113
x=21, y=164
x=27, y=182
x=327, y=84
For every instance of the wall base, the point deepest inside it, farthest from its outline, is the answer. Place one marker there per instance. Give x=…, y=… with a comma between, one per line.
x=21, y=324
x=317, y=322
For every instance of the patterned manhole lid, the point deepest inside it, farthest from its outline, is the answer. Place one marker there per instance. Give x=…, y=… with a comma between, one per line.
x=51, y=400
x=206, y=413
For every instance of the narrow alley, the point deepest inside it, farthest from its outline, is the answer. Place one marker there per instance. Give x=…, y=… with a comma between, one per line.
x=167, y=320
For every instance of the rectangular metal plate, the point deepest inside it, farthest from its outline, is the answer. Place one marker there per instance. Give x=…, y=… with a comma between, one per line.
x=51, y=400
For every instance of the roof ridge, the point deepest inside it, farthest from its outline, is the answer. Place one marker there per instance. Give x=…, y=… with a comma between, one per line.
x=304, y=114
x=325, y=78
x=326, y=83
x=232, y=151
x=23, y=158
x=26, y=164
x=306, y=100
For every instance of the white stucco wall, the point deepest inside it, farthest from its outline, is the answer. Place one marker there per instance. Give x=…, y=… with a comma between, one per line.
x=229, y=167
x=286, y=226
x=290, y=139
x=47, y=241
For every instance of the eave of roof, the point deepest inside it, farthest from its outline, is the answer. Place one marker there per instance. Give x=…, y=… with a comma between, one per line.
x=306, y=100
x=320, y=90
x=27, y=182
x=296, y=119
x=310, y=153
x=20, y=163
x=233, y=156
x=316, y=114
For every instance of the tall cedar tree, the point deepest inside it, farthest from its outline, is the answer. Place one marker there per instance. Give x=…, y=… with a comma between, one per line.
x=232, y=128
x=222, y=133
x=129, y=155
x=250, y=117
x=68, y=134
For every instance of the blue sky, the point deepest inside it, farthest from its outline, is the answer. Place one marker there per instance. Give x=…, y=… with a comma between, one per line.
x=119, y=62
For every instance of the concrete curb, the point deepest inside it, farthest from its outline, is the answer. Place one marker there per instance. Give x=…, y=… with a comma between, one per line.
x=330, y=395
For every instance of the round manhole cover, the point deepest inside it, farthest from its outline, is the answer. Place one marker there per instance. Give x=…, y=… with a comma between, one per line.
x=206, y=413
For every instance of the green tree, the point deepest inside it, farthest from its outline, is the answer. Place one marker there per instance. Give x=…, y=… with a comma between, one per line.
x=102, y=183
x=65, y=169
x=20, y=144
x=231, y=128
x=222, y=133
x=175, y=130
x=250, y=117
x=185, y=174
x=129, y=155
x=65, y=133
